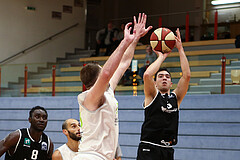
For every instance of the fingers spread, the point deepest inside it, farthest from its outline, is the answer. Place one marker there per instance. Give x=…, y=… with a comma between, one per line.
x=135, y=21
x=145, y=19
x=149, y=28
x=128, y=25
x=130, y=29
x=139, y=17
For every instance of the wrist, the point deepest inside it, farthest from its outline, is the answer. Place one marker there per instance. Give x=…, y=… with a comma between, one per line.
x=180, y=49
x=126, y=41
x=136, y=39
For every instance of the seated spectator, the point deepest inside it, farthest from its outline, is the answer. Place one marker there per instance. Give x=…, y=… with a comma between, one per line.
x=106, y=39
x=120, y=35
x=150, y=57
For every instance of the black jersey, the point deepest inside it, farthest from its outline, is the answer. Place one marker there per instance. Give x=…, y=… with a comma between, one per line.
x=161, y=120
x=28, y=149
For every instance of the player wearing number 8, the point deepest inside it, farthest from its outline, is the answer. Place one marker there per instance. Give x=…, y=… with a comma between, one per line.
x=29, y=143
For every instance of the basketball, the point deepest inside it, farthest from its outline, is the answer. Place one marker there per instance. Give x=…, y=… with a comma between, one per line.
x=163, y=40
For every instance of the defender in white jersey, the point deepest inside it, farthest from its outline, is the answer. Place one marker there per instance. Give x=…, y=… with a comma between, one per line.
x=71, y=128
x=97, y=106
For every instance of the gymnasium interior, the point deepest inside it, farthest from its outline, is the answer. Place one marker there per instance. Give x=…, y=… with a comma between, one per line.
x=45, y=43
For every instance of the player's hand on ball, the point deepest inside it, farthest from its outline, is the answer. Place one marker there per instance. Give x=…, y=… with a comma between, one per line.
x=163, y=55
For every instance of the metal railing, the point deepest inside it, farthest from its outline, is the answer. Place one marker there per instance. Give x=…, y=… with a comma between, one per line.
x=37, y=44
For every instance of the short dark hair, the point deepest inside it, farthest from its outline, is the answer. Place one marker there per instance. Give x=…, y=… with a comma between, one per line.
x=89, y=74
x=64, y=125
x=35, y=108
x=161, y=69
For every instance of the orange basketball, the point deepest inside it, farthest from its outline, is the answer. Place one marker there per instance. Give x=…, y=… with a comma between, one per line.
x=163, y=40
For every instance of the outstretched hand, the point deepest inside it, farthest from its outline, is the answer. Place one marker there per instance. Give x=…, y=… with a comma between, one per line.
x=127, y=35
x=178, y=39
x=139, y=26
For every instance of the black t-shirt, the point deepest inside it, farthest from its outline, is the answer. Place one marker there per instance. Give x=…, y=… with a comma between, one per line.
x=28, y=149
x=161, y=120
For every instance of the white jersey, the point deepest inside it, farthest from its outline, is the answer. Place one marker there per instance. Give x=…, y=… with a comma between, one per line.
x=66, y=152
x=100, y=127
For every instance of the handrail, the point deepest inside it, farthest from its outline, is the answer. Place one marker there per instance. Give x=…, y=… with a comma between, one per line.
x=46, y=39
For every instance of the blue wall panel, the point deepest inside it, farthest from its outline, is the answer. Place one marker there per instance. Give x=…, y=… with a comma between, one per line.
x=209, y=125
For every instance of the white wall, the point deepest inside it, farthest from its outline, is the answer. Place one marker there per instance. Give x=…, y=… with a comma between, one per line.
x=21, y=28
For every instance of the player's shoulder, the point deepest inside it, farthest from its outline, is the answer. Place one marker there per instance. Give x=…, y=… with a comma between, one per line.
x=57, y=155
x=82, y=95
x=14, y=134
x=12, y=138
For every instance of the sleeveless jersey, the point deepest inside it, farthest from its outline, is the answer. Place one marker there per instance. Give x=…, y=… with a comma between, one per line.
x=100, y=127
x=28, y=149
x=66, y=152
x=160, y=126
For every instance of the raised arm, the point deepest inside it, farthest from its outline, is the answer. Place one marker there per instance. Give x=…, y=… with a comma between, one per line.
x=150, y=89
x=183, y=83
x=139, y=29
x=95, y=94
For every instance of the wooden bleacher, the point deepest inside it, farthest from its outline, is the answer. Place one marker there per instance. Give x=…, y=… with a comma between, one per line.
x=192, y=63
x=104, y=58
x=192, y=44
x=119, y=88
x=165, y=64
x=185, y=44
x=57, y=89
x=71, y=69
x=208, y=42
x=62, y=79
x=173, y=54
x=195, y=74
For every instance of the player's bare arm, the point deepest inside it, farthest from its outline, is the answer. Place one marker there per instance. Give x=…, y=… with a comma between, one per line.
x=150, y=89
x=94, y=98
x=9, y=143
x=183, y=83
x=50, y=153
x=140, y=30
x=56, y=155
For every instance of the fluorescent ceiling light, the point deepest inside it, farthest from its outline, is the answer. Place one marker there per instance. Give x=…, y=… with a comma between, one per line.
x=219, y=2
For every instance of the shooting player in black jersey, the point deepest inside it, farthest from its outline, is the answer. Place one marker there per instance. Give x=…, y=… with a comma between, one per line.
x=29, y=143
x=160, y=127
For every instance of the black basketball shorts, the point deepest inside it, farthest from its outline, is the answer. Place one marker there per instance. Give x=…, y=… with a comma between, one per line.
x=152, y=152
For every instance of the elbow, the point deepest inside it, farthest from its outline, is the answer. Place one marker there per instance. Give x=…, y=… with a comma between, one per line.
x=146, y=76
x=187, y=76
x=106, y=75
